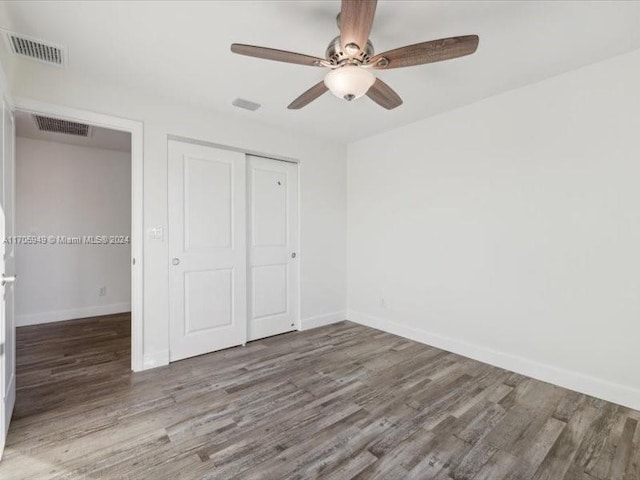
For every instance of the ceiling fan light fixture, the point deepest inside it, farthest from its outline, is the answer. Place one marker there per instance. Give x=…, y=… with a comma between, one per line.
x=349, y=82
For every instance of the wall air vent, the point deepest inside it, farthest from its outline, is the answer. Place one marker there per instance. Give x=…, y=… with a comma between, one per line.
x=56, y=125
x=35, y=49
x=246, y=104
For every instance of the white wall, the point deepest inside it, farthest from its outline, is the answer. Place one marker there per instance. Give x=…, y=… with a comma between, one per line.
x=509, y=230
x=70, y=190
x=322, y=188
x=7, y=63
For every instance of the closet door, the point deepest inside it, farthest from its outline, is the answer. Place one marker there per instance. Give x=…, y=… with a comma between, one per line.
x=207, y=249
x=273, y=246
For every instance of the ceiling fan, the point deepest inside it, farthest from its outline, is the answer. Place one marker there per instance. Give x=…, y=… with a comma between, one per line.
x=351, y=58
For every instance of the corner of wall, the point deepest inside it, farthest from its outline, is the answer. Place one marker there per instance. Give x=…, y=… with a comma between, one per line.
x=5, y=90
x=322, y=320
x=586, y=384
x=6, y=71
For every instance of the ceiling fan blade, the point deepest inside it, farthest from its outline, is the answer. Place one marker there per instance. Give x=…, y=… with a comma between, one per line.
x=383, y=95
x=426, y=52
x=309, y=96
x=277, y=55
x=356, y=20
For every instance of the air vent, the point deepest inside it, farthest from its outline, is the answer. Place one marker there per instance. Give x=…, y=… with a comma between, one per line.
x=35, y=49
x=56, y=125
x=246, y=104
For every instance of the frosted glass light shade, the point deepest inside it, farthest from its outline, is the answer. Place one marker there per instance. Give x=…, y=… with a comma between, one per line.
x=349, y=82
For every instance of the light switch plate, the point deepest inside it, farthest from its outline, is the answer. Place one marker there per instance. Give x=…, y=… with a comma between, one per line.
x=156, y=233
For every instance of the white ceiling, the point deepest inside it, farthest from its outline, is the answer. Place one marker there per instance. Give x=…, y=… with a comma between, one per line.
x=99, y=137
x=180, y=50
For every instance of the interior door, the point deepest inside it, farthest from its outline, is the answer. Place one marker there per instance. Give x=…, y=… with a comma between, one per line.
x=5, y=415
x=7, y=270
x=273, y=246
x=207, y=249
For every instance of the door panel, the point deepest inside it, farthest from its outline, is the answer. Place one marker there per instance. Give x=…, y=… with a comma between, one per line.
x=208, y=203
x=270, y=290
x=270, y=208
x=204, y=311
x=207, y=249
x=273, y=245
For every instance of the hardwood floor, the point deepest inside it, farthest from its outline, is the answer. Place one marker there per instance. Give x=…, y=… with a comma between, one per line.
x=68, y=363
x=338, y=402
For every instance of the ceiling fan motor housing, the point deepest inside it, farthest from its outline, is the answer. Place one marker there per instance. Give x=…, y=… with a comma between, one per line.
x=337, y=56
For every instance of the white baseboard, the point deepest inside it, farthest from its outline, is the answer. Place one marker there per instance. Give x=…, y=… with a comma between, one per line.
x=322, y=320
x=155, y=359
x=596, y=387
x=161, y=358
x=71, y=314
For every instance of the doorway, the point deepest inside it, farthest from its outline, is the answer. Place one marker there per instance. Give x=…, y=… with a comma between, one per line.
x=73, y=220
x=233, y=248
x=72, y=246
x=135, y=131
x=7, y=186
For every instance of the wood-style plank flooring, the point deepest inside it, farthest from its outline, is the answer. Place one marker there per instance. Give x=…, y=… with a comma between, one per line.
x=338, y=402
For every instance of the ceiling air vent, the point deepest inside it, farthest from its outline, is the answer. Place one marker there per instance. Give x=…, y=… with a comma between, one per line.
x=35, y=49
x=56, y=125
x=246, y=104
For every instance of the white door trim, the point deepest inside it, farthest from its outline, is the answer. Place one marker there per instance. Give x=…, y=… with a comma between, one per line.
x=135, y=128
x=220, y=146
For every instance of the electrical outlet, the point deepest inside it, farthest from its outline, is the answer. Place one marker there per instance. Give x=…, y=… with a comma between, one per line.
x=103, y=291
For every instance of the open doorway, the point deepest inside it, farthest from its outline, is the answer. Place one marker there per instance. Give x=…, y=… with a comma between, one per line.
x=64, y=365
x=73, y=254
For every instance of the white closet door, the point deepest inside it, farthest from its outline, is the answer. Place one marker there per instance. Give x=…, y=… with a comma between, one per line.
x=207, y=249
x=273, y=246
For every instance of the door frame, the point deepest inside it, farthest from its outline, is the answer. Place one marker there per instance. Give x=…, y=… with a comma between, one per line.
x=269, y=156
x=136, y=129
